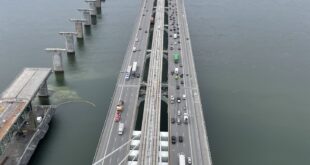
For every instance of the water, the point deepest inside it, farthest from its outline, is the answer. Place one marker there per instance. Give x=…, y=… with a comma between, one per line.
x=251, y=58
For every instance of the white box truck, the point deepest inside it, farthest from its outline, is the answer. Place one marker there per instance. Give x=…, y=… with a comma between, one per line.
x=182, y=160
x=134, y=68
x=120, y=128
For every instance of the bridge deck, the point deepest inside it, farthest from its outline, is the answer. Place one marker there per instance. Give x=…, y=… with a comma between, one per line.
x=151, y=117
x=15, y=98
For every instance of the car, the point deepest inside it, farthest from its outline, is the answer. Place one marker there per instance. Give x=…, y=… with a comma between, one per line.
x=179, y=48
x=180, y=139
x=145, y=31
x=172, y=72
x=140, y=28
x=184, y=96
x=171, y=97
x=178, y=87
x=172, y=120
x=181, y=75
x=173, y=139
x=181, y=65
x=171, y=48
x=179, y=113
x=189, y=160
x=178, y=99
x=178, y=121
x=138, y=75
x=182, y=82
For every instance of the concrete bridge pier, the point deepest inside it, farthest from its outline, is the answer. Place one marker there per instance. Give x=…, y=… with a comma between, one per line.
x=57, y=58
x=78, y=27
x=98, y=6
x=87, y=16
x=93, y=13
x=69, y=41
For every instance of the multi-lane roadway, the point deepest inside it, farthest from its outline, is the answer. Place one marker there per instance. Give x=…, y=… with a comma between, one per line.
x=195, y=142
x=113, y=148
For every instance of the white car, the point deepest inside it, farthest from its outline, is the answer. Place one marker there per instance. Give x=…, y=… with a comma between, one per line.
x=179, y=113
x=184, y=96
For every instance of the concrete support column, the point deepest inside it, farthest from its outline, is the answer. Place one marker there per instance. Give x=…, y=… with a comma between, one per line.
x=69, y=41
x=43, y=91
x=86, y=15
x=98, y=4
x=93, y=13
x=78, y=27
x=57, y=58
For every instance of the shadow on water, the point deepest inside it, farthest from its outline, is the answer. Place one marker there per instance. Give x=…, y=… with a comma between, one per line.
x=145, y=71
x=165, y=71
x=80, y=43
x=87, y=30
x=44, y=100
x=139, y=117
x=164, y=117
x=98, y=11
x=72, y=61
x=60, y=79
x=93, y=19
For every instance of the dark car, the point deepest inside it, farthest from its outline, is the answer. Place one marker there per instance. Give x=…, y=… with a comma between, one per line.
x=178, y=87
x=173, y=139
x=138, y=75
x=182, y=82
x=180, y=139
x=172, y=120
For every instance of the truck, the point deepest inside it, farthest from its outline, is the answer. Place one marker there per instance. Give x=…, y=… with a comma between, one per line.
x=120, y=128
x=128, y=72
x=117, y=117
x=186, y=118
x=120, y=106
x=176, y=57
x=134, y=68
x=175, y=36
x=182, y=160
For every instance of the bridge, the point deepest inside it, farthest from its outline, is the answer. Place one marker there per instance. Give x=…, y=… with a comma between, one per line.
x=23, y=123
x=158, y=21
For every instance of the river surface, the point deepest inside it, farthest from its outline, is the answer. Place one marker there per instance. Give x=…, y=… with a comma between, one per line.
x=252, y=59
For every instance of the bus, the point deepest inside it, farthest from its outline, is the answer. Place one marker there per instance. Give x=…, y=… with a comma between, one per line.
x=176, y=57
x=128, y=72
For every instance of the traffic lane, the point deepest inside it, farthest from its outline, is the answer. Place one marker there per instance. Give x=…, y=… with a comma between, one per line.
x=123, y=69
x=109, y=124
x=127, y=122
